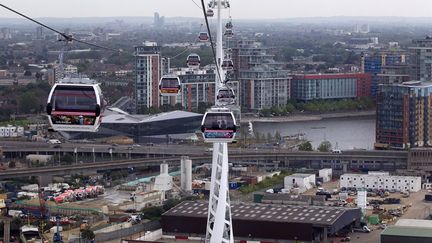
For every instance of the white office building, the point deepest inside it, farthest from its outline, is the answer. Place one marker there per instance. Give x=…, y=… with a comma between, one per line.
x=381, y=181
x=299, y=182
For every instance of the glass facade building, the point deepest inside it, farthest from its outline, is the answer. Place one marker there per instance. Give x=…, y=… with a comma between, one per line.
x=421, y=59
x=330, y=86
x=404, y=115
x=374, y=65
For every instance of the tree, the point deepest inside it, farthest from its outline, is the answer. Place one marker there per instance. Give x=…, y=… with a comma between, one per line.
x=67, y=158
x=325, y=146
x=87, y=234
x=278, y=136
x=12, y=164
x=305, y=146
x=29, y=102
x=269, y=137
x=289, y=107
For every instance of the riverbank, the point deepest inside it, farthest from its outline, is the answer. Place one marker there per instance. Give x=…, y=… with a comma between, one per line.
x=308, y=117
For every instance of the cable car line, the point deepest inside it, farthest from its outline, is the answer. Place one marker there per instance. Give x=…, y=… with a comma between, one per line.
x=68, y=38
x=196, y=4
x=211, y=40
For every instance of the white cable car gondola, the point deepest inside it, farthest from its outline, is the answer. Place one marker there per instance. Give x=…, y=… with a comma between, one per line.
x=210, y=13
x=229, y=25
x=229, y=33
x=193, y=60
x=226, y=96
x=203, y=37
x=75, y=105
x=169, y=85
x=218, y=126
x=227, y=65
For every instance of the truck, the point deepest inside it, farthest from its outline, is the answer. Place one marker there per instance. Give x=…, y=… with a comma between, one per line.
x=54, y=141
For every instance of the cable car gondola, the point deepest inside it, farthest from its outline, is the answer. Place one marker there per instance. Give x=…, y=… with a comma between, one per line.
x=75, y=105
x=210, y=13
x=193, y=60
x=169, y=85
x=227, y=65
x=229, y=25
x=203, y=37
x=218, y=126
x=229, y=33
x=225, y=96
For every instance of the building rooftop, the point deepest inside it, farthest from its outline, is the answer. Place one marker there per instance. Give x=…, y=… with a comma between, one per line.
x=116, y=115
x=292, y=198
x=414, y=223
x=318, y=215
x=379, y=175
x=415, y=84
x=300, y=175
x=395, y=230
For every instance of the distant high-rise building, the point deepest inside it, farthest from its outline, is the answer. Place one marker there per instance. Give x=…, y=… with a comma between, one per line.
x=198, y=88
x=404, y=115
x=148, y=74
x=5, y=33
x=373, y=64
x=421, y=59
x=394, y=74
x=158, y=21
x=39, y=33
x=263, y=81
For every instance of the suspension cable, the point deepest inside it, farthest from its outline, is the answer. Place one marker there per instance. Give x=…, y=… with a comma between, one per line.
x=64, y=35
x=211, y=40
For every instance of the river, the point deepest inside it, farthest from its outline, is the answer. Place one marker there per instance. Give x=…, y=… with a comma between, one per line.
x=343, y=133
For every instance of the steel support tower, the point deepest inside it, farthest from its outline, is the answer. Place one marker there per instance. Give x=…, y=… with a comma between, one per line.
x=219, y=222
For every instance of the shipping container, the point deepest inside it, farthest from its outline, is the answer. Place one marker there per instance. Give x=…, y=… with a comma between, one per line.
x=428, y=197
x=258, y=198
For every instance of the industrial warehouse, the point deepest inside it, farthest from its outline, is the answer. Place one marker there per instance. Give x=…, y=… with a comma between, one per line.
x=253, y=221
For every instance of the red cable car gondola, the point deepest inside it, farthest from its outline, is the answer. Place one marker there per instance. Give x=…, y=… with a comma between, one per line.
x=227, y=65
x=169, y=85
x=193, y=60
x=203, y=37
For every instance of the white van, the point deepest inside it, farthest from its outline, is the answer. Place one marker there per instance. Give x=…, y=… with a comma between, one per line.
x=54, y=141
x=336, y=151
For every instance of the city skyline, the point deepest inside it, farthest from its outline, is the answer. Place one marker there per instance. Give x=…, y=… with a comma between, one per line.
x=241, y=9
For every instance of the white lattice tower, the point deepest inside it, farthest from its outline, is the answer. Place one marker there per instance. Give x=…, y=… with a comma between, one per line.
x=219, y=222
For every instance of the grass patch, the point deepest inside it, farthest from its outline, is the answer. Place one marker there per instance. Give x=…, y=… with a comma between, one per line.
x=266, y=183
x=21, y=123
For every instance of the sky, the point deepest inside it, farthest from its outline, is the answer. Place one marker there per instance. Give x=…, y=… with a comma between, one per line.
x=240, y=9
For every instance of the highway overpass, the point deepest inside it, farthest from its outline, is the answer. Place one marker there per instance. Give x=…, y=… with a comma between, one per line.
x=349, y=160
